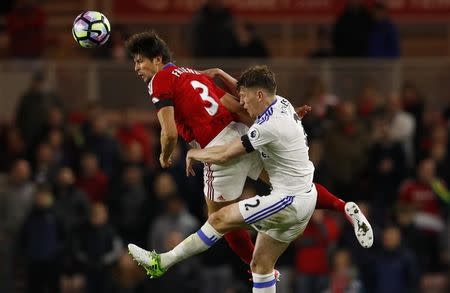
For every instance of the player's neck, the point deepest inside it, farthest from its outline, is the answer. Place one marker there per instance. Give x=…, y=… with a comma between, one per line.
x=266, y=103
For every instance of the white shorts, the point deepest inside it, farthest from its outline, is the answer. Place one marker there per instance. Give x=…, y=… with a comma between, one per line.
x=282, y=217
x=226, y=182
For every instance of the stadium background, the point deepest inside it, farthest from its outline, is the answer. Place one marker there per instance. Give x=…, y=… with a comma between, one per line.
x=79, y=141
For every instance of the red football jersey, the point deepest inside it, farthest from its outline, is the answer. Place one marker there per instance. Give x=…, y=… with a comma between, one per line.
x=199, y=115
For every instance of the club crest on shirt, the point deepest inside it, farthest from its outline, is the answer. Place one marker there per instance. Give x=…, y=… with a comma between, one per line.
x=254, y=134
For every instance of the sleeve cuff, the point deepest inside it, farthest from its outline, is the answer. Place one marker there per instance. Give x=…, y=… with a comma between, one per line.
x=247, y=144
x=163, y=103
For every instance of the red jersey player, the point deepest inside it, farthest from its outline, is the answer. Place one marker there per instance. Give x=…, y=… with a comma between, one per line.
x=191, y=105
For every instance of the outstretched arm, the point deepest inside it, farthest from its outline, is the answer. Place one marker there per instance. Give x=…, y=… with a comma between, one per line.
x=215, y=155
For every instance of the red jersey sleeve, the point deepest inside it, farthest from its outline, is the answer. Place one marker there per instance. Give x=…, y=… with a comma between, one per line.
x=160, y=89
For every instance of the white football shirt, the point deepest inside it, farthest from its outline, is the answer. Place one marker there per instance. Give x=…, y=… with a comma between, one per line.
x=279, y=137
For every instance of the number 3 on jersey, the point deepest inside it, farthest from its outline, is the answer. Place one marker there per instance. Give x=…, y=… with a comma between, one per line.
x=204, y=94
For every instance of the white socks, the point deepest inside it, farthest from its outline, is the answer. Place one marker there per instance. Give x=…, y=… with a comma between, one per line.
x=196, y=243
x=264, y=283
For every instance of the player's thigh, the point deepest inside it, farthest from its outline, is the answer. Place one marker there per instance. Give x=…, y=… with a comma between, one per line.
x=227, y=219
x=224, y=183
x=267, y=251
x=214, y=206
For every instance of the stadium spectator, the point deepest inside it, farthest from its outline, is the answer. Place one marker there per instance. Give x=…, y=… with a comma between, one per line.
x=421, y=194
x=71, y=204
x=322, y=44
x=383, y=38
x=387, y=168
x=45, y=165
x=12, y=147
x=213, y=34
x=97, y=248
x=32, y=109
x=249, y=43
x=26, y=26
x=352, y=30
x=16, y=196
x=317, y=155
x=132, y=131
x=413, y=238
x=402, y=127
x=92, y=180
x=428, y=196
x=413, y=102
x=395, y=267
x=129, y=205
x=176, y=218
x=346, y=142
x=343, y=274
x=312, y=265
x=369, y=102
x=439, y=153
x=432, y=130
x=323, y=103
x=103, y=145
x=43, y=244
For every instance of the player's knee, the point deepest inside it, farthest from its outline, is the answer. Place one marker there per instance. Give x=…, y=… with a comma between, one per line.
x=217, y=220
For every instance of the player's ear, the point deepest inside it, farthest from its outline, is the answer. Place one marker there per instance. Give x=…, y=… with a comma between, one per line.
x=157, y=60
x=260, y=95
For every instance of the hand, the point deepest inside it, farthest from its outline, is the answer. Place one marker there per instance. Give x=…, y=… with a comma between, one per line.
x=165, y=163
x=189, y=161
x=212, y=72
x=302, y=111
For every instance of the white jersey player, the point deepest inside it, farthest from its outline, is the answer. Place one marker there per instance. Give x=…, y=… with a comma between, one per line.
x=280, y=139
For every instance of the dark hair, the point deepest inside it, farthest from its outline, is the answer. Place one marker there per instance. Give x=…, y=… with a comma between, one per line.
x=258, y=77
x=148, y=44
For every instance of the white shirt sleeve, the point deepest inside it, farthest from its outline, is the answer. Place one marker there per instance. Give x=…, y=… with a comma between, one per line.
x=260, y=135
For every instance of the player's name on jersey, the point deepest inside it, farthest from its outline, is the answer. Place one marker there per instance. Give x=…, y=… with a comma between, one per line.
x=180, y=70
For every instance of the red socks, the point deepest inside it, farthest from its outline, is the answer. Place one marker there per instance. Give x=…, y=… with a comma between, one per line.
x=241, y=243
x=328, y=201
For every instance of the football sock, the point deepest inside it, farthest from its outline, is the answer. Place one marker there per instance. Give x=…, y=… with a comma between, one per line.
x=328, y=201
x=241, y=243
x=264, y=283
x=196, y=243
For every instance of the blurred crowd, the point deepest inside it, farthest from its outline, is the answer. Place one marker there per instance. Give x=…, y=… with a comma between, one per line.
x=77, y=186
x=213, y=32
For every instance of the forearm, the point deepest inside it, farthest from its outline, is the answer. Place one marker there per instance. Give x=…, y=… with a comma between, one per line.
x=229, y=81
x=214, y=155
x=168, y=144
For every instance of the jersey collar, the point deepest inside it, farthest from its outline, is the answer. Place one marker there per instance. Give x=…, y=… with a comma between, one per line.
x=267, y=109
x=170, y=64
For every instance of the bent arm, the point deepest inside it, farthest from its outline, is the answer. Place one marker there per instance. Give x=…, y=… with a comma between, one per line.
x=231, y=103
x=229, y=81
x=169, y=133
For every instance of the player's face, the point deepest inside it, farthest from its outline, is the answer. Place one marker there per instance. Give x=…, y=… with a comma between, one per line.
x=249, y=99
x=145, y=67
